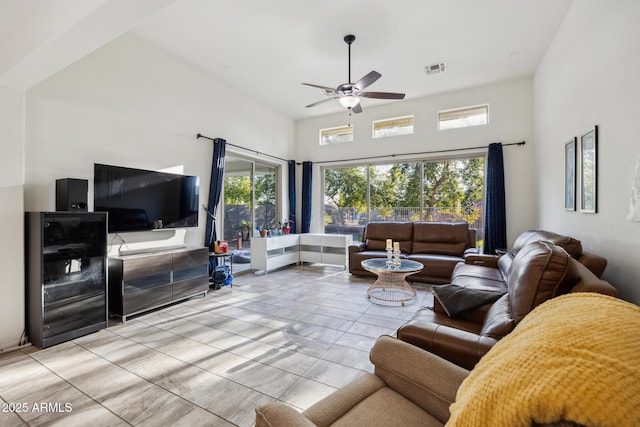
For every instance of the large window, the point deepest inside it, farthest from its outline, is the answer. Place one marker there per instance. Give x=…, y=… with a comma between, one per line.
x=442, y=190
x=394, y=192
x=345, y=194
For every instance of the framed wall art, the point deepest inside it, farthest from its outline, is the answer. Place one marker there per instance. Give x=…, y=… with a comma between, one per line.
x=589, y=171
x=570, y=175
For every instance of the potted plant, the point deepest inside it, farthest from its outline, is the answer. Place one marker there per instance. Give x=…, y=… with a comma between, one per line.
x=244, y=227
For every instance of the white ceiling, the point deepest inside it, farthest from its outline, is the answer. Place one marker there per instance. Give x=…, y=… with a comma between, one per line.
x=267, y=48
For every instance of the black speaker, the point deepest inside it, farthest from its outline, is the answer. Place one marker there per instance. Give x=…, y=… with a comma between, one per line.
x=71, y=194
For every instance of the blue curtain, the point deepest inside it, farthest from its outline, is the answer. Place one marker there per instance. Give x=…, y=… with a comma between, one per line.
x=292, y=194
x=305, y=224
x=215, y=190
x=495, y=228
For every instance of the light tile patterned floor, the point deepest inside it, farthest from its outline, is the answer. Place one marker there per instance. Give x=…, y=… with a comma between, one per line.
x=293, y=335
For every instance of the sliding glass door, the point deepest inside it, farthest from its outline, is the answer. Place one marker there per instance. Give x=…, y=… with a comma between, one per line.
x=265, y=197
x=250, y=199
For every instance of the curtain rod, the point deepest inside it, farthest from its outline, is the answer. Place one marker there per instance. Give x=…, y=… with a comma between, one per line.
x=416, y=154
x=198, y=136
x=450, y=150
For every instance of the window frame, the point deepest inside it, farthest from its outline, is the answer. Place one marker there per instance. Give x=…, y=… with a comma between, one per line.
x=461, y=110
x=392, y=120
x=322, y=133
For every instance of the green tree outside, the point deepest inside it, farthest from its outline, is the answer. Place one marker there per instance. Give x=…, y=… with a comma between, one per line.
x=454, y=187
x=237, y=190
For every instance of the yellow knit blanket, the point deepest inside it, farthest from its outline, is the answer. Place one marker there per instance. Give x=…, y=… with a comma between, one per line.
x=574, y=358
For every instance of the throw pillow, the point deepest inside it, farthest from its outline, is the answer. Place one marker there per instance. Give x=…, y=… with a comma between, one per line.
x=456, y=300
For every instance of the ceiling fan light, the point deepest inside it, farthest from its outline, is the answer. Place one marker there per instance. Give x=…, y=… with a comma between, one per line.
x=349, y=101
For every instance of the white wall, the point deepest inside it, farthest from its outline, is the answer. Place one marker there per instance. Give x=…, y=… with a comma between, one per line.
x=589, y=77
x=131, y=104
x=511, y=112
x=11, y=216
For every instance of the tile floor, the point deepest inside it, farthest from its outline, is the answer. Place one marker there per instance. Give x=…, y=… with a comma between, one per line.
x=293, y=335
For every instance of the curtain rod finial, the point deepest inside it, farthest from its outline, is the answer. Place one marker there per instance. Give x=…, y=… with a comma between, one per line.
x=198, y=136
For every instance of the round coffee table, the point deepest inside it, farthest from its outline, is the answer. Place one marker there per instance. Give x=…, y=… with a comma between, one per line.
x=391, y=286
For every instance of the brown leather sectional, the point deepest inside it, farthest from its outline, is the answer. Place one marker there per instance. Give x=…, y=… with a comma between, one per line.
x=573, y=246
x=439, y=246
x=533, y=272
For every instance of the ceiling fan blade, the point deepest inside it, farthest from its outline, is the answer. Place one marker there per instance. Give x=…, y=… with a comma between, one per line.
x=324, y=88
x=357, y=109
x=382, y=95
x=321, y=101
x=367, y=80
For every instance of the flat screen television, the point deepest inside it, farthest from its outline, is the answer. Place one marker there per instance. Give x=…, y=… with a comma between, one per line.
x=140, y=200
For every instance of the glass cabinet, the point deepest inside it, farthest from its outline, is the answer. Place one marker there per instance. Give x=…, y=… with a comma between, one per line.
x=66, y=286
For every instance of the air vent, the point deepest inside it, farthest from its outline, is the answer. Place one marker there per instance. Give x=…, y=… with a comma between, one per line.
x=436, y=68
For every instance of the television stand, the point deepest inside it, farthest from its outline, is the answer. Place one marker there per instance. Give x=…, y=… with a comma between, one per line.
x=151, y=250
x=144, y=281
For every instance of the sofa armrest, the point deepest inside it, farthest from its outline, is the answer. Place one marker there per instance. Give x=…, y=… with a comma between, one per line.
x=354, y=265
x=358, y=247
x=595, y=263
x=482, y=259
x=589, y=282
x=333, y=407
x=279, y=414
x=470, y=251
x=472, y=242
x=425, y=379
x=324, y=412
x=602, y=287
x=456, y=345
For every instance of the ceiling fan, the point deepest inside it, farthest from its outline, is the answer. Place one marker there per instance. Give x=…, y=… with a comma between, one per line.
x=349, y=94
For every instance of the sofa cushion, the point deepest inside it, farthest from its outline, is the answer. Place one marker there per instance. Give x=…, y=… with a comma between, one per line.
x=540, y=271
x=499, y=320
x=437, y=248
x=440, y=238
x=377, y=233
x=569, y=244
x=456, y=300
x=504, y=265
x=478, y=277
x=435, y=266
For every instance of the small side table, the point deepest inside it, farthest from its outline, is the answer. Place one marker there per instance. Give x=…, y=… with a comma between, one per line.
x=224, y=257
x=391, y=286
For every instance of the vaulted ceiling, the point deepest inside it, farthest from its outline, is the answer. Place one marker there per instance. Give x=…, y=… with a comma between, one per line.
x=266, y=49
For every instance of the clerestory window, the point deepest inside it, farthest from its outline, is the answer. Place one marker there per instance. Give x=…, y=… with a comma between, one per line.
x=393, y=127
x=463, y=117
x=336, y=135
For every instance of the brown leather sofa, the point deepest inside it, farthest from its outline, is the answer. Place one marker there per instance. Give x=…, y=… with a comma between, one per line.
x=595, y=263
x=540, y=270
x=439, y=246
